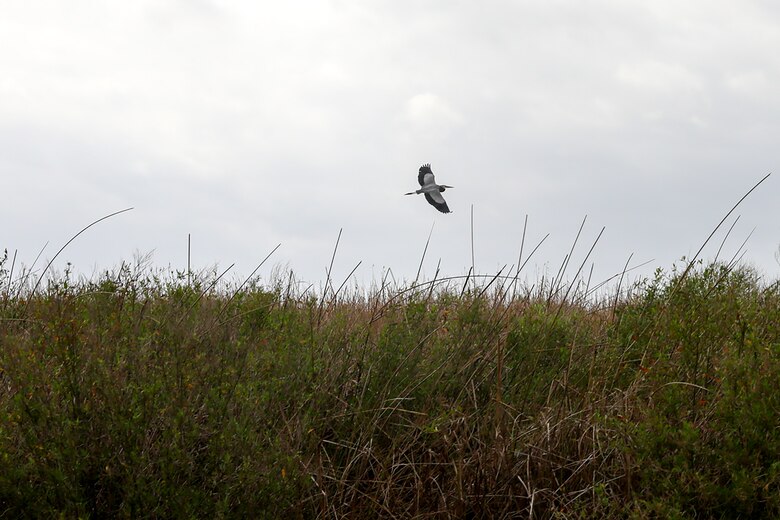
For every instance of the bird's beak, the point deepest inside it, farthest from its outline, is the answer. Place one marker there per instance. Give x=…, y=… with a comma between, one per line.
x=410, y=193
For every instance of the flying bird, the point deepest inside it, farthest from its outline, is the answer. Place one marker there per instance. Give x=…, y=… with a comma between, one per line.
x=431, y=189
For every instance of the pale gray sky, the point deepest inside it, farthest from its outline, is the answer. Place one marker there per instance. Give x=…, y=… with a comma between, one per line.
x=251, y=123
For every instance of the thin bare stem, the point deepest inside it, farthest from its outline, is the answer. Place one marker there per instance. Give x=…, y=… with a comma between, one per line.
x=425, y=250
x=522, y=245
x=332, y=259
x=101, y=219
x=562, y=271
x=696, y=256
x=189, y=264
x=23, y=281
x=620, y=282
x=246, y=280
x=723, y=242
x=473, y=268
x=335, y=295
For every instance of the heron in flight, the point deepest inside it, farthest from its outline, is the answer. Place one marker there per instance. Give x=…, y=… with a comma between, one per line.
x=431, y=189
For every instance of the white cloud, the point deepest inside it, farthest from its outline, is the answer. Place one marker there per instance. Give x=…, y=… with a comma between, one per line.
x=750, y=83
x=660, y=76
x=431, y=116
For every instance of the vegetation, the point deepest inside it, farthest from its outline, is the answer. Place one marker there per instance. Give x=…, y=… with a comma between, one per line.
x=147, y=394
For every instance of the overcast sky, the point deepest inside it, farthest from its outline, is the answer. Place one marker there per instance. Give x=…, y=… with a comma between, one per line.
x=249, y=124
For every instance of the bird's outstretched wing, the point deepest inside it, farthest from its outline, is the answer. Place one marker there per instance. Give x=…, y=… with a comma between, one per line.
x=426, y=175
x=437, y=201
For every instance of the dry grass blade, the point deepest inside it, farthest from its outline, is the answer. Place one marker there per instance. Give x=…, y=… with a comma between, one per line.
x=23, y=281
x=726, y=237
x=74, y=237
x=725, y=217
x=473, y=267
x=336, y=293
x=425, y=250
x=584, y=261
x=562, y=271
x=11, y=272
x=328, y=279
x=330, y=267
x=522, y=245
x=620, y=283
x=520, y=268
x=246, y=280
x=466, y=283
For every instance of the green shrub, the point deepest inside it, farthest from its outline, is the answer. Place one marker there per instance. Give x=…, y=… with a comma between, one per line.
x=151, y=394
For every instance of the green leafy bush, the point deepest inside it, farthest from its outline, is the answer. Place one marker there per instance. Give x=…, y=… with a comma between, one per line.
x=152, y=394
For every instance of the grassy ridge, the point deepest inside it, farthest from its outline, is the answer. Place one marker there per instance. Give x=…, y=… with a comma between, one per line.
x=140, y=394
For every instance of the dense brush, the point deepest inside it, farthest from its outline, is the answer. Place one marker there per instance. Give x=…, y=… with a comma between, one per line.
x=144, y=393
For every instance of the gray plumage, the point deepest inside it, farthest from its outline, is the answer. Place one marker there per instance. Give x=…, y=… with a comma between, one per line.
x=431, y=190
